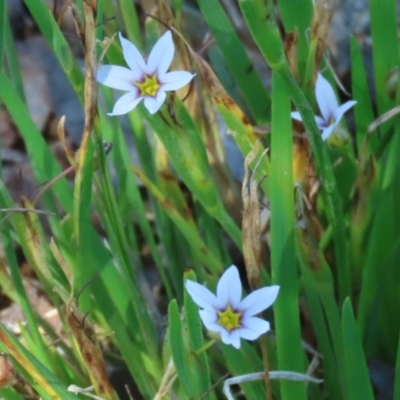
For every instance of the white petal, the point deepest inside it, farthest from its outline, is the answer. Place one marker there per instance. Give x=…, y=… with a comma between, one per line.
x=296, y=115
x=326, y=98
x=115, y=77
x=152, y=104
x=229, y=288
x=256, y=325
x=321, y=123
x=161, y=55
x=133, y=57
x=327, y=131
x=258, y=300
x=209, y=319
x=126, y=103
x=175, y=80
x=161, y=95
x=248, y=334
x=225, y=336
x=235, y=338
x=232, y=338
x=201, y=296
x=339, y=112
x=209, y=316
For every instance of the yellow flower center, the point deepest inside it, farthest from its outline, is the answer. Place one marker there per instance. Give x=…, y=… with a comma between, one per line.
x=229, y=319
x=149, y=86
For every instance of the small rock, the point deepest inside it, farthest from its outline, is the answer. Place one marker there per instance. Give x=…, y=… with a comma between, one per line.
x=46, y=87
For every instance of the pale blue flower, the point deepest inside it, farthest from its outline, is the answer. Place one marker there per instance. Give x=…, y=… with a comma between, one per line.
x=227, y=314
x=331, y=112
x=144, y=80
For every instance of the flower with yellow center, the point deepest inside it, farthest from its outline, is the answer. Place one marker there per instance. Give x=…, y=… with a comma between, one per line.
x=331, y=112
x=144, y=80
x=149, y=87
x=229, y=318
x=229, y=315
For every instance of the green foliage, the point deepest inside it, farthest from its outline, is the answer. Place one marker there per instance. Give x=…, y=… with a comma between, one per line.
x=333, y=251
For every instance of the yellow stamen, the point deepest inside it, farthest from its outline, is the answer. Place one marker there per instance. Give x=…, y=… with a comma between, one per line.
x=229, y=319
x=149, y=86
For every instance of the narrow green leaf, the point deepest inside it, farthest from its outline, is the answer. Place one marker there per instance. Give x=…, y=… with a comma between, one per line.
x=264, y=31
x=23, y=301
x=241, y=129
x=8, y=393
x=320, y=293
x=44, y=165
x=358, y=381
x=361, y=93
x=324, y=342
x=128, y=195
x=179, y=350
x=41, y=13
x=283, y=252
x=380, y=277
x=3, y=21
x=237, y=59
x=12, y=63
x=187, y=153
x=385, y=47
x=296, y=15
x=131, y=22
x=185, y=224
x=46, y=383
x=268, y=40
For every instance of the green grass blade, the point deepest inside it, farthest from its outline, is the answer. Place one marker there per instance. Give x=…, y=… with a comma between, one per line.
x=180, y=352
x=268, y=40
x=41, y=379
x=283, y=252
x=112, y=298
x=12, y=61
x=363, y=112
x=185, y=224
x=296, y=15
x=186, y=151
x=44, y=165
x=41, y=13
x=264, y=32
x=237, y=60
x=241, y=129
x=320, y=293
x=33, y=328
x=380, y=277
x=385, y=47
x=325, y=345
x=3, y=21
x=358, y=381
x=128, y=191
x=10, y=394
x=131, y=22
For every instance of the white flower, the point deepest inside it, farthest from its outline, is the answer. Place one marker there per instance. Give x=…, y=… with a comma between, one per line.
x=227, y=314
x=144, y=80
x=331, y=112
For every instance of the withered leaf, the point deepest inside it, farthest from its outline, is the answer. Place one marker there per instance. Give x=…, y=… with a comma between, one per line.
x=251, y=226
